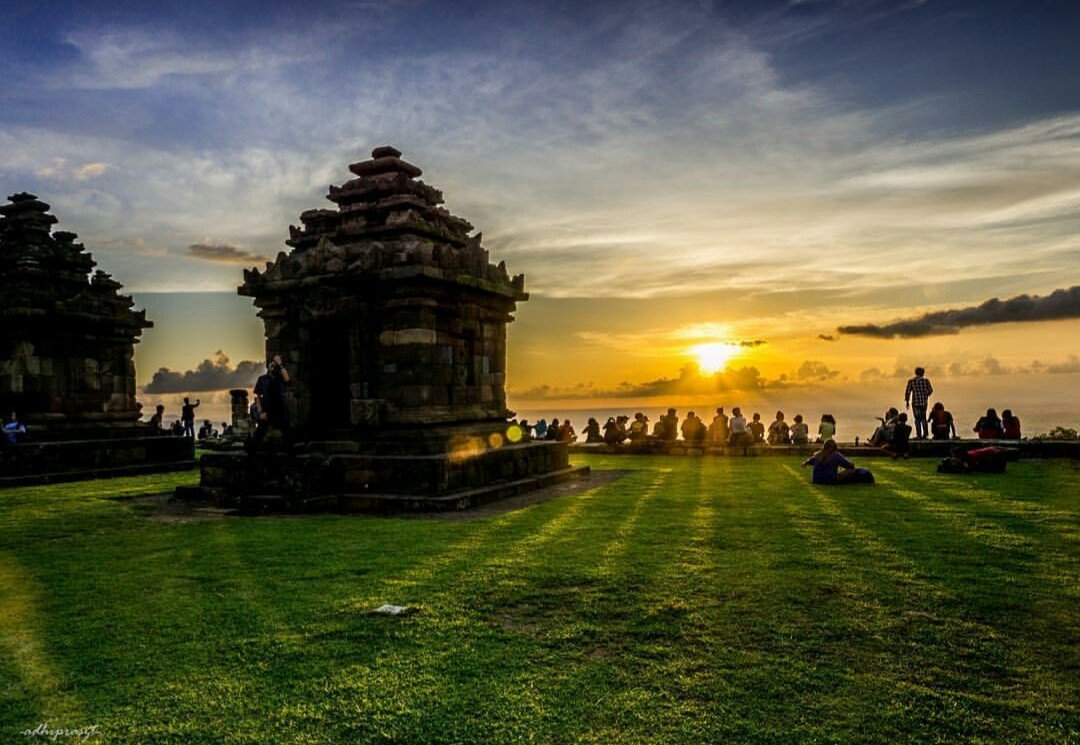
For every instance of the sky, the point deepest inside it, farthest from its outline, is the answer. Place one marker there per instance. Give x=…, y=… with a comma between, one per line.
x=686, y=185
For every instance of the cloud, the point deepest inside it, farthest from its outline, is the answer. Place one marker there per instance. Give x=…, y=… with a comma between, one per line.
x=1071, y=365
x=826, y=337
x=210, y=375
x=986, y=366
x=60, y=170
x=655, y=152
x=1058, y=305
x=812, y=370
x=690, y=381
x=224, y=253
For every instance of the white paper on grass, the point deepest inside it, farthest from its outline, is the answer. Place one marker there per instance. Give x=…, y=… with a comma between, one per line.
x=391, y=610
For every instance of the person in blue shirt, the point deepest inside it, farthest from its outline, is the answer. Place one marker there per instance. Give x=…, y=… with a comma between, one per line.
x=828, y=463
x=12, y=429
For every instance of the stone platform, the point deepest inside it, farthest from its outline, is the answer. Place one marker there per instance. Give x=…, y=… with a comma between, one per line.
x=74, y=460
x=340, y=477
x=919, y=448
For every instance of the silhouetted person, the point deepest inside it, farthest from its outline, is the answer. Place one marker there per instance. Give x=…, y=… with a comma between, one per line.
x=800, y=432
x=827, y=428
x=899, y=443
x=639, y=428
x=552, y=431
x=718, y=428
x=177, y=429
x=206, y=431
x=884, y=433
x=670, y=421
x=526, y=430
x=989, y=427
x=941, y=423
x=540, y=430
x=566, y=432
x=740, y=434
x=157, y=421
x=615, y=430
x=693, y=429
x=1010, y=424
x=779, y=432
x=13, y=429
x=592, y=430
x=187, y=416
x=828, y=463
x=270, y=395
x=916, y=396
x=756, y=429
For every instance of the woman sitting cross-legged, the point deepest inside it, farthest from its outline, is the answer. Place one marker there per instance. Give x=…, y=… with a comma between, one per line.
x=827, y=463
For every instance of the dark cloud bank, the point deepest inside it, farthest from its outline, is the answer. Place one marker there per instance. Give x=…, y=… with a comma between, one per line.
x=1059, y=304
x=210, y=375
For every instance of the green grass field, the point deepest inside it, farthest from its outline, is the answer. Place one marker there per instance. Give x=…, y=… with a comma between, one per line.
x=710, y=600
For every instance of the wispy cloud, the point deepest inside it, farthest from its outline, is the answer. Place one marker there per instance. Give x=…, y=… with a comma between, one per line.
x=659, y=153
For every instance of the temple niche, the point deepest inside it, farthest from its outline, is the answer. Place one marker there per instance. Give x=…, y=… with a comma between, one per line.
x=67, y=340
x=391, y=319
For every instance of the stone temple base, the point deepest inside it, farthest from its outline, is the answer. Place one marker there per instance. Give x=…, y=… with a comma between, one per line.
x=97, y=458
x=337, y=476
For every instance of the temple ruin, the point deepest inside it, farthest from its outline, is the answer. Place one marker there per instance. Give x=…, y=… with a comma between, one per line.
x=392, y=321
x=67, y=340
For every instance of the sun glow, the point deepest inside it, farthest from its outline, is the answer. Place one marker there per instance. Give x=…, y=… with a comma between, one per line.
x=711, y=358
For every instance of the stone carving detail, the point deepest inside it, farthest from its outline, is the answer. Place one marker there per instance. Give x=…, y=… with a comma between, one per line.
x=66, y=336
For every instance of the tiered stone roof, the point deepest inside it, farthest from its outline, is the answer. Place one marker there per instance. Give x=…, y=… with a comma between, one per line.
x=386, y=220
x=48, y=274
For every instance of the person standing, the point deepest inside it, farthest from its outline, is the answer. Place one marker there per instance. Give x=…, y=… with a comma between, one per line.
x=270, y=395
x=916, y=397
x=187, y=416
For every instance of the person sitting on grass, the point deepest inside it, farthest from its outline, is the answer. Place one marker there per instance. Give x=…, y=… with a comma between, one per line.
x=779, y=432
x=757, y=429
x=828, y=463
x=900, y=442
x=13, y=429
x=800, y=432
x=989, y=427
x=978, y=460
x=1011, y=425
x=592, y=430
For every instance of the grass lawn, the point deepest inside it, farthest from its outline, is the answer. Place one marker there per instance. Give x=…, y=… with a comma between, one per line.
x=718, y=600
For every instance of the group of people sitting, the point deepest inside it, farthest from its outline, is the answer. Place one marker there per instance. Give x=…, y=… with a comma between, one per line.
x=894, y=432
x=722, y=430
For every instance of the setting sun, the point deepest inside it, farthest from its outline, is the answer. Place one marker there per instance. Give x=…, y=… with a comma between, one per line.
x=712, y=358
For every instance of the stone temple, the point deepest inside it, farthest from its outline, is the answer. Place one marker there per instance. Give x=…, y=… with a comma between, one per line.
x=392, y=321
x=67, y=341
